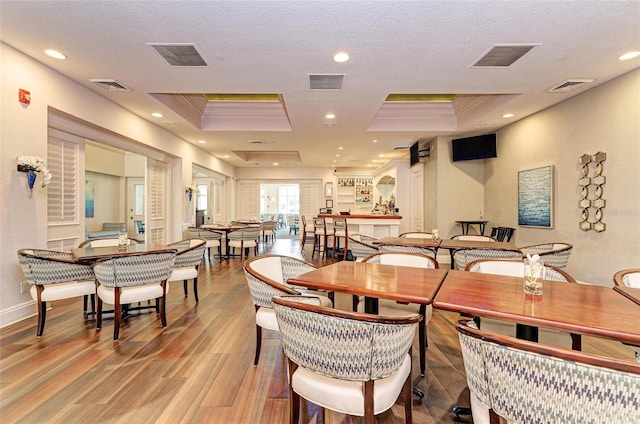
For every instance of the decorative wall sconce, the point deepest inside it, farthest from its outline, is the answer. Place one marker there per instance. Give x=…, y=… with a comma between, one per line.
x=31, y=165
x=190, y=191
x=591, y=191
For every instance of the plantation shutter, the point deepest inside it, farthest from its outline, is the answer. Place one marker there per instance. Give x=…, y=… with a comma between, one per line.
x=309, y=199
x=249, y=201
x=62, y=192
x=157, y=187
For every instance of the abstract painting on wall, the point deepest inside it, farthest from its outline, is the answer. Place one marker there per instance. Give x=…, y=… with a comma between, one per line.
x=535, y=197
x=88, y=199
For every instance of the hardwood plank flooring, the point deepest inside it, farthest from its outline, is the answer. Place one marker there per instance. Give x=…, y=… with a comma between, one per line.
x=199, y=369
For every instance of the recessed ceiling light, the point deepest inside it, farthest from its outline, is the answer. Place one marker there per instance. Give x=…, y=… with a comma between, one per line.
x=156, y=115
x=380, y=155
x=55, y=54
x=276, y=163
x=340, y=148
x=374, y=141
x=508, y=115
x=329, y=116
x=337, y=156
x=341, y=57
x=629, y=55
x=225, y=156
x=201, y=141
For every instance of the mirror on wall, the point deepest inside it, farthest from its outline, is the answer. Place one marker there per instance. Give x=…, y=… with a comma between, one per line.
x=386, y=185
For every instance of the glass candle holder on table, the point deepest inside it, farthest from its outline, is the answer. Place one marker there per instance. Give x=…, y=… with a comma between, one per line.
x=534, y=273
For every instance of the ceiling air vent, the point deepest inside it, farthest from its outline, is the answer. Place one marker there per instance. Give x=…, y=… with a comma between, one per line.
x=500, y=56
x=110, y=84
x=570, y=85
x=325, y=81
x=180, y=54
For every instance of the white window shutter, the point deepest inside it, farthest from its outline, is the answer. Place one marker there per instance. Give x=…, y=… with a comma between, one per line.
x=62, y=192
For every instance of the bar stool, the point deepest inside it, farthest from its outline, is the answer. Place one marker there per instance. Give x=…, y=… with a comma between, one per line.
x=319, y=236
x=340, y=231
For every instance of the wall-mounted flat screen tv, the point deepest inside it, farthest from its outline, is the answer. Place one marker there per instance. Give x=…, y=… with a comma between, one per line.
x=414, y=153
x=470, y=148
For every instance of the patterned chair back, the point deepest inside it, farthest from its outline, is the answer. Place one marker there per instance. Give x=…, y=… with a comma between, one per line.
x=359, y=248
x=247, y=233
x=529, y=382
x=135, y=270
x=343, y=345
x=416, y=260
x=410, y=249
x=42, y=267
x=190, y=252
x=627, y=277
x=464, y=256
x=515, y=268
x=267, y=276
x=472, y=237
x=556, y=254
x=417, y=234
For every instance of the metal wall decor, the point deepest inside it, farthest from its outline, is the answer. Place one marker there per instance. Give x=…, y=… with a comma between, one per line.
x=591, y=182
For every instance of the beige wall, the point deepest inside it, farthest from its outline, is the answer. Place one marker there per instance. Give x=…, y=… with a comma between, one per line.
x=605, y=118
x=23, y=131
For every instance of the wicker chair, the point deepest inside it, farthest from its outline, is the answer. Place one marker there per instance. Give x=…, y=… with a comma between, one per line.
x=268, y=230
x=212, y=238
x=353, y=363
x=54, y=276
x=628, y=278
x=267, y=276
x=106, y=242
x=361, y=247
x=515, y=268
x=519, y=381
x=188, y=259
x=133, y=278
x=556, y=254
x=462, y=257
x=245, y=239
x=391, y=308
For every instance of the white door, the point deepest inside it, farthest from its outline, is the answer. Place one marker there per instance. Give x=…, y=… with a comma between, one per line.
x=135, y=208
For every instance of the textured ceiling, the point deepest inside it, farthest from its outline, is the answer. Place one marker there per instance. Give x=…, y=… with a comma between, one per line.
x=272, y=47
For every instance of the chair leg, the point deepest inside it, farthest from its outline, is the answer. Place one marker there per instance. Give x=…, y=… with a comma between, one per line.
x=117, y=313
x=42, y=315
x=186, y=289
x=258, y=344
x=163, y=310
x=195, y=289
x=368, y=402
x=408, y=403
x=422, y=334
x=42, y=311
x=294, y=398
x=99, y=314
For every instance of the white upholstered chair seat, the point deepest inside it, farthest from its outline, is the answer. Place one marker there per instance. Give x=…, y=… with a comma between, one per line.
x=266, y=318
x=347, y=397
x=240, y=243
x=64, y=290
x=130, y=294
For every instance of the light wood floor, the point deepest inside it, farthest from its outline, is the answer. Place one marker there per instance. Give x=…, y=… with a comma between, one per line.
x=198, y=369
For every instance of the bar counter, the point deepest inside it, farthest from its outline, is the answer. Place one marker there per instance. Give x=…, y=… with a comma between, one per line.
x=377, y=226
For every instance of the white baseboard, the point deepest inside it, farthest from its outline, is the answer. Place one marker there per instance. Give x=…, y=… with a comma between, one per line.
x=18, y=313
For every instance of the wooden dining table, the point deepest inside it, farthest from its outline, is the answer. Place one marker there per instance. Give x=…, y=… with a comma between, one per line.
x=225, y=230
x=574, y=308
x=93, y=254
x=631, y=293
x=374, y=281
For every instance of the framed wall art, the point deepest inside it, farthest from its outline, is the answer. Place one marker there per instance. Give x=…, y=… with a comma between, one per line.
x=535, y=197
